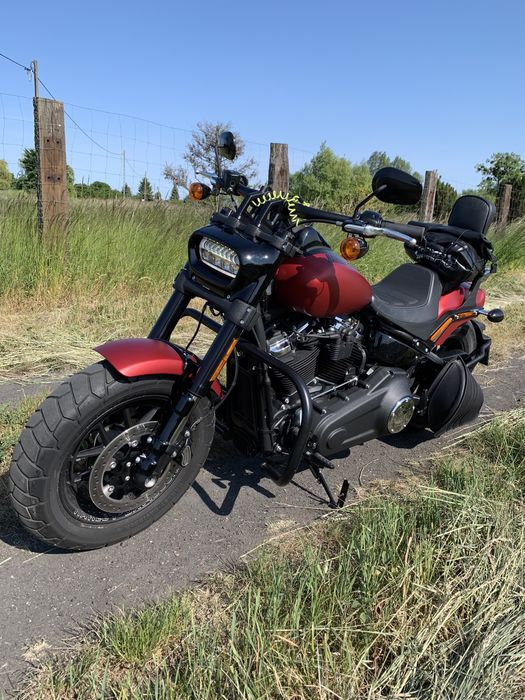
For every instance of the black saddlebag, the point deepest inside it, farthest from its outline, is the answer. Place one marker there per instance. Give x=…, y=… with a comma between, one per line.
x=454, y=398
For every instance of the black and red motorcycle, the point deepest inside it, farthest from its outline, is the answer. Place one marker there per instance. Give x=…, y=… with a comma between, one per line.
x=315, y=360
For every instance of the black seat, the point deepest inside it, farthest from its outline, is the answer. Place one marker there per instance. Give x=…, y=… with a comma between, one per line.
x=409, y=298
x=469, y=221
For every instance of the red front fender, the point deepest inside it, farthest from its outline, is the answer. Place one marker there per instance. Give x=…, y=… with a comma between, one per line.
x=138, y=357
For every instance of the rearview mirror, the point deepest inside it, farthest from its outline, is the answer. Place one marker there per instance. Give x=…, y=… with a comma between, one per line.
x=396, y=186
x=226, y=145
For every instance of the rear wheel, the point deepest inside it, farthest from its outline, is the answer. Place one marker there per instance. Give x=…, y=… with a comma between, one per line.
x=75, y=479
x=464, y=340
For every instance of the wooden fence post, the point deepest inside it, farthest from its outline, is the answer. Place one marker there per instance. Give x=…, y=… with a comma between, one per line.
x=278, y=170
x=50, y=146
x=428, y=199
x=504, y=206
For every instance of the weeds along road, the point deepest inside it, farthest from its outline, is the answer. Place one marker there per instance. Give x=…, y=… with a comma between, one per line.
x=230, y=510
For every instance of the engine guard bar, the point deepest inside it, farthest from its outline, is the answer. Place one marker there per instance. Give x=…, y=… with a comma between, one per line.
x=285, y=475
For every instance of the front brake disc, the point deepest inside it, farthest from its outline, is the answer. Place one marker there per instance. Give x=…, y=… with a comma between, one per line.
x=111, y=484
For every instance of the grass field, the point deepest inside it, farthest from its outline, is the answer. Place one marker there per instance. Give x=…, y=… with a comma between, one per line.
x=112, y=274
x=418, y=593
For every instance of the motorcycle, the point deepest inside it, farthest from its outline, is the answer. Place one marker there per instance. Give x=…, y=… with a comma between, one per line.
x=308, y=359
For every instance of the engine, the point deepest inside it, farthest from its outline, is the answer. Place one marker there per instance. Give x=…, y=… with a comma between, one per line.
x=354, y=398
x=321, y=352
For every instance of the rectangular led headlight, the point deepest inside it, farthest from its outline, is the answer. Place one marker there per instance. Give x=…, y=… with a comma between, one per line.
x=219, y=256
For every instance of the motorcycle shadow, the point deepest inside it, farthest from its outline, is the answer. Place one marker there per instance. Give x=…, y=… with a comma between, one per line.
x=230, y=472
x=408, y=438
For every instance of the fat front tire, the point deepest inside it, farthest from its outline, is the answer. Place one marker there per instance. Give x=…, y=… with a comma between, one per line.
x=51, y=477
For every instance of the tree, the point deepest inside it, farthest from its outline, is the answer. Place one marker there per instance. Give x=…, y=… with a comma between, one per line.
x=379, y=159
x=145, y=191
x=178, y=176
x=174, y=196
x=126, y=190
x=28, y=178
x=331, y=181
x=96, y=190
x=158, y=196
x=446, y=195
x=6, y=178
x=505, y=169
x=201, y=155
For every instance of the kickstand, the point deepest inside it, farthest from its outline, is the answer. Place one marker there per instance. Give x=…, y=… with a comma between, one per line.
x=316, y=471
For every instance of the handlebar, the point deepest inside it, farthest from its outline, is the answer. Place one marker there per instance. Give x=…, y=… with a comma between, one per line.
x=408, y=234
x=410, y=230
x=401, y=232
x=368, y=231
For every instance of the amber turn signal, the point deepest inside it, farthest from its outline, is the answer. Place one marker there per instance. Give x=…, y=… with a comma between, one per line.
x=352, y=248
x=199, y=191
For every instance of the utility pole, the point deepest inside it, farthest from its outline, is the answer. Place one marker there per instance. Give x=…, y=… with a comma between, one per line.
x=34, y=68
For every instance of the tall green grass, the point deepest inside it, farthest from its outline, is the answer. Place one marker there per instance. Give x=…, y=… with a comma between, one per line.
x=107, y=244
x=419, y=595
x=126, y=243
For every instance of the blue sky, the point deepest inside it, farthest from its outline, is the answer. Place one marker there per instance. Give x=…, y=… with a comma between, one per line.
x=439, y=83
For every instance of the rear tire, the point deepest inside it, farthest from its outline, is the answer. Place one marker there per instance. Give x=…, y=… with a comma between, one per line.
x=42, y=476
x=464, y=340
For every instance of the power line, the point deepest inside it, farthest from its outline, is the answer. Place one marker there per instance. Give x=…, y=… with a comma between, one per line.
x=113, y=153
x=29, y=70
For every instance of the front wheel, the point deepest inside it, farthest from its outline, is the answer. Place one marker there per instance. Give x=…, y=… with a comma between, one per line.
x=74, y=478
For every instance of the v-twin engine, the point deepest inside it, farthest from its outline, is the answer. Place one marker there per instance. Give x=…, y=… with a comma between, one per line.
x=354, y=401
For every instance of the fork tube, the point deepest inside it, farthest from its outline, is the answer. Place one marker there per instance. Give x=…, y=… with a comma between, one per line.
x=199, y=386
x=170, y=316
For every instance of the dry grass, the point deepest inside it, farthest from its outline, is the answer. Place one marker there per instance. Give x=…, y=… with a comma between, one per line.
x=42, y=336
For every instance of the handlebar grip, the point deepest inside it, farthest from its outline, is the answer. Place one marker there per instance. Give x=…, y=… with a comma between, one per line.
x=414, y=231
x=318, y=214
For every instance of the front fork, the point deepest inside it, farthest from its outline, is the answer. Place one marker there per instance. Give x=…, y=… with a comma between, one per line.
x=165, y=445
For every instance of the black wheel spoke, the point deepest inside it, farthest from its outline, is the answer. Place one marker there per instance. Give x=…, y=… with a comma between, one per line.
x=149, y=415
x=103, y=434
x=90, y=452
x=80, y=476
x=128, y=421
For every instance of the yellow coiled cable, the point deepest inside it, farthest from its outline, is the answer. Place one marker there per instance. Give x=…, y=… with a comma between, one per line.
x=291, y=201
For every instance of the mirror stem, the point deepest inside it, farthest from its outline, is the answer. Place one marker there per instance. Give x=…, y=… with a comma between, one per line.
x=367, y=199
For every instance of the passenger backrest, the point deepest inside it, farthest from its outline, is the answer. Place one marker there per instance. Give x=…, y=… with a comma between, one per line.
x=472, y=212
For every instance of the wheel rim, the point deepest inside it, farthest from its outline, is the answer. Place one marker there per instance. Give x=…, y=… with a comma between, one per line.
x=88, y=475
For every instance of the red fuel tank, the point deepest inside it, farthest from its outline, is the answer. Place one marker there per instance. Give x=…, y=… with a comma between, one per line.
x=322, y=285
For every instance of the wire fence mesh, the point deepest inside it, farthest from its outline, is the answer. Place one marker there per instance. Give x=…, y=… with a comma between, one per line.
x=113, y=148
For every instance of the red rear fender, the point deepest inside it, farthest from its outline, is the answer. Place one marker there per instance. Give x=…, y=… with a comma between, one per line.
x=139, y=357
